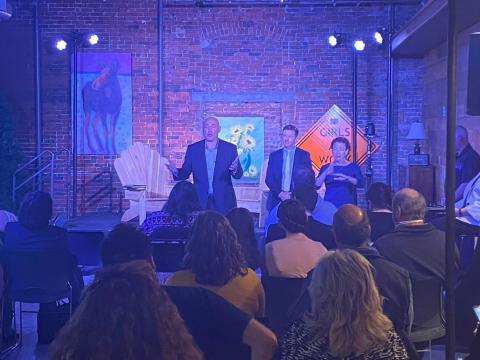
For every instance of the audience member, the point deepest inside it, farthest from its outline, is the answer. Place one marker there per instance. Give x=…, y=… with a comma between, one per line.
x=214, y=260
x=379, y=198
x=319, y=213
x=467, y=295
x=296, y=254
x=346, y=319
x=5, y=218
x=241, y=221
x=218, y=327
x=414, y=245
x=33, y=233
x=352, y=231
x=467, y=163
x=177, y=216
x=321, y=210
x=125, y=314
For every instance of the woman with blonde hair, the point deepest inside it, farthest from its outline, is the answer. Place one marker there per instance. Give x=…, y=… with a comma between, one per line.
x=346, y=319
x=125, y=314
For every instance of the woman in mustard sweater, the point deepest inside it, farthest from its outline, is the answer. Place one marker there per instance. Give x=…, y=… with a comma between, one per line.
x=214, y=260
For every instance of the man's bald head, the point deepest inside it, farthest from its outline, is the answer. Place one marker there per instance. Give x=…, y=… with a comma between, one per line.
x=351, y=227
x=408, y=204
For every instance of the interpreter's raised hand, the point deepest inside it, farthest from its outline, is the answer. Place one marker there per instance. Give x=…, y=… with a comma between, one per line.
x=234, y=165
x=341, y=177
x=330, y=169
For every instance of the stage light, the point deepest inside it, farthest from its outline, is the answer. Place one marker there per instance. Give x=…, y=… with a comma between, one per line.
x=334, y=40
x=60, y=44
x=92, y=39
x=359, y=45
x=378, y=36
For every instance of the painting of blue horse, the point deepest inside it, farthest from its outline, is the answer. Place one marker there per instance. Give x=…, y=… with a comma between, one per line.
x=104, y=104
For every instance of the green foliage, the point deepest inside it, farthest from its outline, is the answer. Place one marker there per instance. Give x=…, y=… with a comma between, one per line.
x=10, y=154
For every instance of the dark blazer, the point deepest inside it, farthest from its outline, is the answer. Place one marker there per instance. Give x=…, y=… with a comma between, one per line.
x=394, y=285
x=196, y=163
x=419, y=249
x=273, y=178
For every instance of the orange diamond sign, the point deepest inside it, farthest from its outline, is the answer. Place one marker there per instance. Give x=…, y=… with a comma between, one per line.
x=331, y=125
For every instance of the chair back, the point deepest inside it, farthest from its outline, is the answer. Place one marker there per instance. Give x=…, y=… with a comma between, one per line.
x=263, y=174
x=168, y=254
x=428, y=309
x=281, y=296
x=38, y=277
x=140, y=165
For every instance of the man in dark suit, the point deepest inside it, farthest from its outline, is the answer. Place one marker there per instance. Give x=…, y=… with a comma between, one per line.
x=282, y=164
x=213, y=162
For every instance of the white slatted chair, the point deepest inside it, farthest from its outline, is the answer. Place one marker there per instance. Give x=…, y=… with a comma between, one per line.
x=144, y=177
x=263, y=195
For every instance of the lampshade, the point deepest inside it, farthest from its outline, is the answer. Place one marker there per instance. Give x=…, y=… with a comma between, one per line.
x=417, y=131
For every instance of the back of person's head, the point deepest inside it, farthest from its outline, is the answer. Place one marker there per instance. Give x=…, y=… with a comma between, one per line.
x=351, y=226
x=183, y=200
x=306, y=194
x=241, y=221
x=380, y=196
x=292, y=215
x=213, y=252
x=408, y=204
x=5, y=218
x=346, y=305
x=35, y=210
x=125, y=243
x=303, y=176
x=125, y=314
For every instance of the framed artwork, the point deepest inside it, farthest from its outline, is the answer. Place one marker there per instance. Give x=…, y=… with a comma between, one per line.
x=104, y=102
x=247, y=133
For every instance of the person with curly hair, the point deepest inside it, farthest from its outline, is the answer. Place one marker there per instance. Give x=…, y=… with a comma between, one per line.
x=125, y=314
x=214, y=260
x=295, y=255
x=176, y=218
x=346, y=319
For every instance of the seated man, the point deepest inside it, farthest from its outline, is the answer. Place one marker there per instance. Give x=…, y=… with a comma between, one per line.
x=351, y=229
x=218, y=328
x=414, y=245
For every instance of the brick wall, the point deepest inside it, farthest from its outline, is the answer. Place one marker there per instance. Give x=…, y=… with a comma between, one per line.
x=435, y=100
x=258, y=52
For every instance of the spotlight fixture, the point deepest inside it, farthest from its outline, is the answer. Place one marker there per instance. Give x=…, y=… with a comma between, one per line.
x=359, y=45
x=60, y=44
x=378, y=36
x=92, y=39
x=334, y=40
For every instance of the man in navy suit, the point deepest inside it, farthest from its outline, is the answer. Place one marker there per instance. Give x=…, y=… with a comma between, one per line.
x=213, y=162
x=282, y=165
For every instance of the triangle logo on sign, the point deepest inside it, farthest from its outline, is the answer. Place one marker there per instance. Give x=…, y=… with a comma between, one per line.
x=333, y=124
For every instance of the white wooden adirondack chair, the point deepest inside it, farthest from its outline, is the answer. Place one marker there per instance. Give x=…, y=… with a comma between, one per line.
x=144, y=177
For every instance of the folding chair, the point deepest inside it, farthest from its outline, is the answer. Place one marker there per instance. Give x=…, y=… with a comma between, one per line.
x=37, y=277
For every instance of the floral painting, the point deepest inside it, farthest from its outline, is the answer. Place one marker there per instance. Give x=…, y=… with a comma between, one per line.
x=247, y=133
